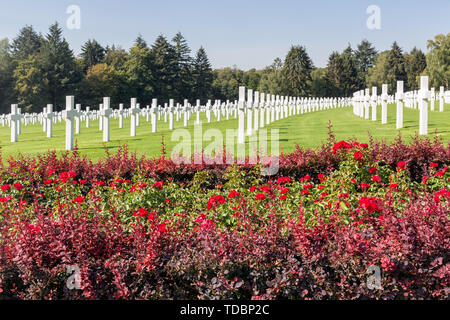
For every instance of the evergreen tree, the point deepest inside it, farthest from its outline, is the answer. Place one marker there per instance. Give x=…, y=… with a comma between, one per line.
x=183, y=79
x=58, y=66
x=415, y=64
x=92, y=53
x=335, y=69
x=202, y=75
x=140, y=42
x=164, y=68
x=395, y=68
x=6, y=77
x=28, y=42
x=297, y=72
x=138, y=73
x=349, y=78
x=365, y=56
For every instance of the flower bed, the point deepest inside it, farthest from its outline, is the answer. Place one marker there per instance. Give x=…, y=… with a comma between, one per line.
x=151, y=229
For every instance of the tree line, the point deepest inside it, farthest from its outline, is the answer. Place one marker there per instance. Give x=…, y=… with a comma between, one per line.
x=345, y=73
x=38, y=69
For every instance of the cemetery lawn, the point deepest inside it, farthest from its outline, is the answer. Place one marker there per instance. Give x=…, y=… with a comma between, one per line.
x=308, y=130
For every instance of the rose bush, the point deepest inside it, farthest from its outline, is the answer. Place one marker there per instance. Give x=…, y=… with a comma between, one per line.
x=140, y=228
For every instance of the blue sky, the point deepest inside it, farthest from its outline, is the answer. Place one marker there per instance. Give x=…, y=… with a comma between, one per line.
x=245, y=33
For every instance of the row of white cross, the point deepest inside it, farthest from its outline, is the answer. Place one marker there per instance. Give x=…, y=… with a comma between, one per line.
x=259, y=108
x=363, y=101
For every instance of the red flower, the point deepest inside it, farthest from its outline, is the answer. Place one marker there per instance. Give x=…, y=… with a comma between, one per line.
x=214, y=201
x=158, y=185
x=434, y=165
x=47, y=182
x=100, y=183
x=364, y=185
x=321, y=177
x=79, y=199
x=376, y=178
x=162, y=227
x=283, y=180
x=285, y=190
x=372, y=170
x=253, y=188
x=401, y=165
x=307, y=186
x=393, y=186
x=370, y=204
x=6, y=187
x=283, y=197
x=18, y=186
x=233, y=194
x=439, y=173
x=358, y=155
x=305, y=178
x=364, y=145
x=83, y=181
x=341, y=145
x=260, y=196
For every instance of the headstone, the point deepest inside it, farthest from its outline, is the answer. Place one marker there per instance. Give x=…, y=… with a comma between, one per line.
x=88, y=117
x=384, y=97
x=105, y=113
x=171, y=109
x=69, y=115
x=153, y=111
x=423, y=96
x=399, y=96
x=374, y=102
x=133, y=111
x=249, y=112
x=14, y=118
x=441, y=99
x=48, y=118
x=241, y=115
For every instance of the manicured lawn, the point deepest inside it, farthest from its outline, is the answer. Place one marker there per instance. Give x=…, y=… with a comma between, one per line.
x=308, y=130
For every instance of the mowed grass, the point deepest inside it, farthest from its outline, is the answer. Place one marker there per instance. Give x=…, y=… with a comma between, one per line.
x=308, y=130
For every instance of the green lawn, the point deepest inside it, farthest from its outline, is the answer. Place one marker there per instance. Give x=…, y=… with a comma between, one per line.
x=308, y=130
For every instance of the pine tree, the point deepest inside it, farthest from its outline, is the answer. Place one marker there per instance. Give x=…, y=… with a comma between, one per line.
x=415, y=65
x=58, y=66
x=92, y=53
x=28, y=42
x=297, y=72
x=365, y=56
x=164, y=68
x=6, y=77
x=138, y=73
x=183, y=78
x=202, y=74
x=395, y=68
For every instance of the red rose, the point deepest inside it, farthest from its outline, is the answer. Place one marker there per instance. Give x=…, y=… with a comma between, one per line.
x=358, y=155
x=18, y=186
x=260, y=196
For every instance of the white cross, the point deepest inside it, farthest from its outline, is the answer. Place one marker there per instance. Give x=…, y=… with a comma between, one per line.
x=68, y=115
